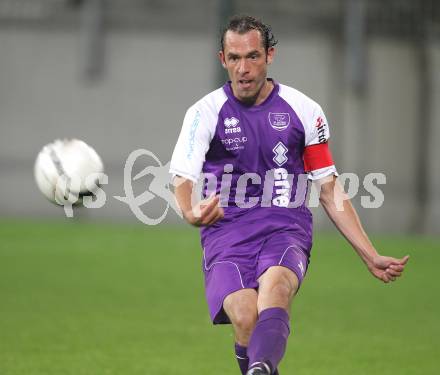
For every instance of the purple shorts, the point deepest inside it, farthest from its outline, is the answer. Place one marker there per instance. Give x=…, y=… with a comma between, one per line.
x=240, y=248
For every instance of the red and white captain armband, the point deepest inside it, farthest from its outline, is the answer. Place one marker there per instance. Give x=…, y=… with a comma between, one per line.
x=318, y=161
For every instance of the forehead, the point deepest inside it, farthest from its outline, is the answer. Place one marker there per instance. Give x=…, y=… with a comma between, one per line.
x=242, y=43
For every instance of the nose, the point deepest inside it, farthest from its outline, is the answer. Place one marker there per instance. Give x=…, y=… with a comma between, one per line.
x=242, y=66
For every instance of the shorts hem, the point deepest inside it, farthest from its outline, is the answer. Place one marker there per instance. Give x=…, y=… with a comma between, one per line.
x=299, y=277
x=220, y=316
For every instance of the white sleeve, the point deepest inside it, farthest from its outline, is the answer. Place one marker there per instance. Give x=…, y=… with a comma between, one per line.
x=317, y=174
x=310, y=114
x=316, y=126
x=317, y=131
x=192, y=145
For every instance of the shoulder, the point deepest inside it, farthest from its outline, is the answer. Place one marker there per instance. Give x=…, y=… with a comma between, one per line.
x=308, y=111
x=210, y=104
x=205, y=113
x=299, y=101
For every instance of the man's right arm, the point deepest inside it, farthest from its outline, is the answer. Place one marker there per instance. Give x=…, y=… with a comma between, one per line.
x=204, y=213
x=186, y=165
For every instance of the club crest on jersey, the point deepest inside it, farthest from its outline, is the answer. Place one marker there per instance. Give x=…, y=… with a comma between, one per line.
x=279, y=121
x=231, y=125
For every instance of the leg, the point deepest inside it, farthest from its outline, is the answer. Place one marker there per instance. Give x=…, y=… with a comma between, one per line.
x=278, y=285
x=241, y=308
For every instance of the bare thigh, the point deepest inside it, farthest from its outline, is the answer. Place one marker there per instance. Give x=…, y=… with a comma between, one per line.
x=278, y=286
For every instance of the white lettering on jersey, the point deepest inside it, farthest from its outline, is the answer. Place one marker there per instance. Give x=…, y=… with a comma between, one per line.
x=282, y=188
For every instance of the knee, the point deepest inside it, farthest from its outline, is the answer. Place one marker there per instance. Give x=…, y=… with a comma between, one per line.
x=282, y=291
x=241, y=308
x=277, y=291
x=244, y=322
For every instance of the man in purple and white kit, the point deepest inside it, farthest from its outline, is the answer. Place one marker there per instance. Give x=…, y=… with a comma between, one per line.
x=257, y=143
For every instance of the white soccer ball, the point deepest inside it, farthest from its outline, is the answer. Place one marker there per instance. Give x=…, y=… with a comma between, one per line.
x=67, y=170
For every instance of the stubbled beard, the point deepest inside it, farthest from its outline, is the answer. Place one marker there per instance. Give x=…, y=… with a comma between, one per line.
x=251, y=100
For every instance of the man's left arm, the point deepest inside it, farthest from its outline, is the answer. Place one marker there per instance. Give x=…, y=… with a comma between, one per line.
x=340, y=210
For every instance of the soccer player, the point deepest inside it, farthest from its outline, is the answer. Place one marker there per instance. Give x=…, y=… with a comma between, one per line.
x=255, y=139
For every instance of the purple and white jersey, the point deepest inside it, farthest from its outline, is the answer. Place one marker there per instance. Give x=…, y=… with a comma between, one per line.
x=252, y=155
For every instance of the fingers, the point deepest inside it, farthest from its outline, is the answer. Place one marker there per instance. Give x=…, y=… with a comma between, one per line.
x=397, y=267
x=395, y=270
x=205, y=205
x=386, y=278
x=210, y=211
x=219, y=215
x=211, y=216
x=210, y=203
x=389, y=263
x=389, y=275
x=393, y=273
x=402, y=261
x=388, y=269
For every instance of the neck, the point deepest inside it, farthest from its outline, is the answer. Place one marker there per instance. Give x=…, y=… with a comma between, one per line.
x=264, y=92
x=261, y=96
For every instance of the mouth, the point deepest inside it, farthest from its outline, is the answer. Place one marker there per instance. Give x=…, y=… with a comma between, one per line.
x=245, y=83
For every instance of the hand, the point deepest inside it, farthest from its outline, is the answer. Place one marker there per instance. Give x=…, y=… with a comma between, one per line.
x=206, y=212
x=386, y=268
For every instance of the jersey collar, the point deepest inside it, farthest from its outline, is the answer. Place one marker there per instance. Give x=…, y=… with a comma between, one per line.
x=227, y=88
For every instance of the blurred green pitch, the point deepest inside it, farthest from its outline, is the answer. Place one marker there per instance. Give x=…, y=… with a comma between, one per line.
x=78, y=298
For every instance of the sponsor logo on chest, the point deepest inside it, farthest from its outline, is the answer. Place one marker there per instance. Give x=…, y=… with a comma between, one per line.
x=233, y=141
x=236, y=143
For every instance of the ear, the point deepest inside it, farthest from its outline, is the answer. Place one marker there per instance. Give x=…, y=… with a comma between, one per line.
x=221, y=57
x=270, y=55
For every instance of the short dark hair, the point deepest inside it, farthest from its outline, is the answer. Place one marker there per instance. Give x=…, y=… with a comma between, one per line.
x=242, y=24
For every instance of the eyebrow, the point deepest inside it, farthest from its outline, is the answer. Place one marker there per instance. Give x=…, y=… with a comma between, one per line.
x=254, y=52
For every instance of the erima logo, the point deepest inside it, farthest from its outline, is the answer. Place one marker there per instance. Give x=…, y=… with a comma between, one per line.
x=231, y=121
x=320, y=125
x=231, y=125
x=280, y=153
